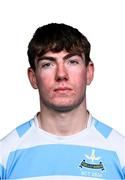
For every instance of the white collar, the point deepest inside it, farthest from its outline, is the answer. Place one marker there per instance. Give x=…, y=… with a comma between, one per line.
x=88, y=124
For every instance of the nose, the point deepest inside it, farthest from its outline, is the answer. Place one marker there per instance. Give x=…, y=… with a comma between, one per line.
x=61, y=73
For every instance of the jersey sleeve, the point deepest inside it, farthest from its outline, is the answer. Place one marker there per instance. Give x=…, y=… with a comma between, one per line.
x=2, y=170
x=124, y=157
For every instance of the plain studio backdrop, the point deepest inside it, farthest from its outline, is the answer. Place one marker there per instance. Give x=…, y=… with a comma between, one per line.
x=102, y=21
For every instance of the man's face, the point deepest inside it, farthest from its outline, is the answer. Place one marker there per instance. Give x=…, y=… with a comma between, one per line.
x=61, y=79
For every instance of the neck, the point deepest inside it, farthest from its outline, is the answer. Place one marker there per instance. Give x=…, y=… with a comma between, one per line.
x=63, y=124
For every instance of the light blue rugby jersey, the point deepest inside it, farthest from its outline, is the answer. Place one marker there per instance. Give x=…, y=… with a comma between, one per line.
x=97, y=152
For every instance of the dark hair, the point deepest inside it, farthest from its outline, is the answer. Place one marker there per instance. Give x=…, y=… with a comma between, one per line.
x=57, y=37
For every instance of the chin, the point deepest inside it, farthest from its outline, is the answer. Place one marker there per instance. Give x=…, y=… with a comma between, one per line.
x=65, y=105
x=63, y=108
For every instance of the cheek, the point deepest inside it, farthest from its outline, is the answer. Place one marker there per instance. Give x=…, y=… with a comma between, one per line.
x=80, y=78
x=44, y=82
x=80, y=81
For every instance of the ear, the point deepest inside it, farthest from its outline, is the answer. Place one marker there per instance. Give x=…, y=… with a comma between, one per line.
x=32, y=77
x=90, y=72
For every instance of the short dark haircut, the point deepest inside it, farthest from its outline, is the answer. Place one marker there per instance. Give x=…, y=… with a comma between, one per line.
x=57, y=37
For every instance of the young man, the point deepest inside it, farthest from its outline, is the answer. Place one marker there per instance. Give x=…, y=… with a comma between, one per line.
x=63, y=140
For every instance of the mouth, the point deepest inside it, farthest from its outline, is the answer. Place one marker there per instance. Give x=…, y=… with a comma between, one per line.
x=62, y=89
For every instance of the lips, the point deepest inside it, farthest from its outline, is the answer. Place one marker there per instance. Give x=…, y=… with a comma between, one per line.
x=62, y=89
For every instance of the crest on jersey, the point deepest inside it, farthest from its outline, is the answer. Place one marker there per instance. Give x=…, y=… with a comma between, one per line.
x=92, y=161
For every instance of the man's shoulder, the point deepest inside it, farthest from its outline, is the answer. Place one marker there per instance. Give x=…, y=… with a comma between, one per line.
x=14, y=140
x=104, y=129
x=22, y=129
x=108, y=132
x=17, y=133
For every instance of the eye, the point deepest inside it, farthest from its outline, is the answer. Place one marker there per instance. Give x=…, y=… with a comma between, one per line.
x=47, y=65
x=72, y=61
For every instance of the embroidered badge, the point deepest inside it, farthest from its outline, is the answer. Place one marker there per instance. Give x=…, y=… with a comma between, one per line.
x=92, y=162
x=92, y=165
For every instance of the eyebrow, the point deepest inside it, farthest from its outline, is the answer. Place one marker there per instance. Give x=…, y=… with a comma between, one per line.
x=46, y=58
x=50, y=58
x=71, y=54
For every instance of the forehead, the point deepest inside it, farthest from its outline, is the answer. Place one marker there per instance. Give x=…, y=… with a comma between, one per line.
x=63, y=54
x=56, y=54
